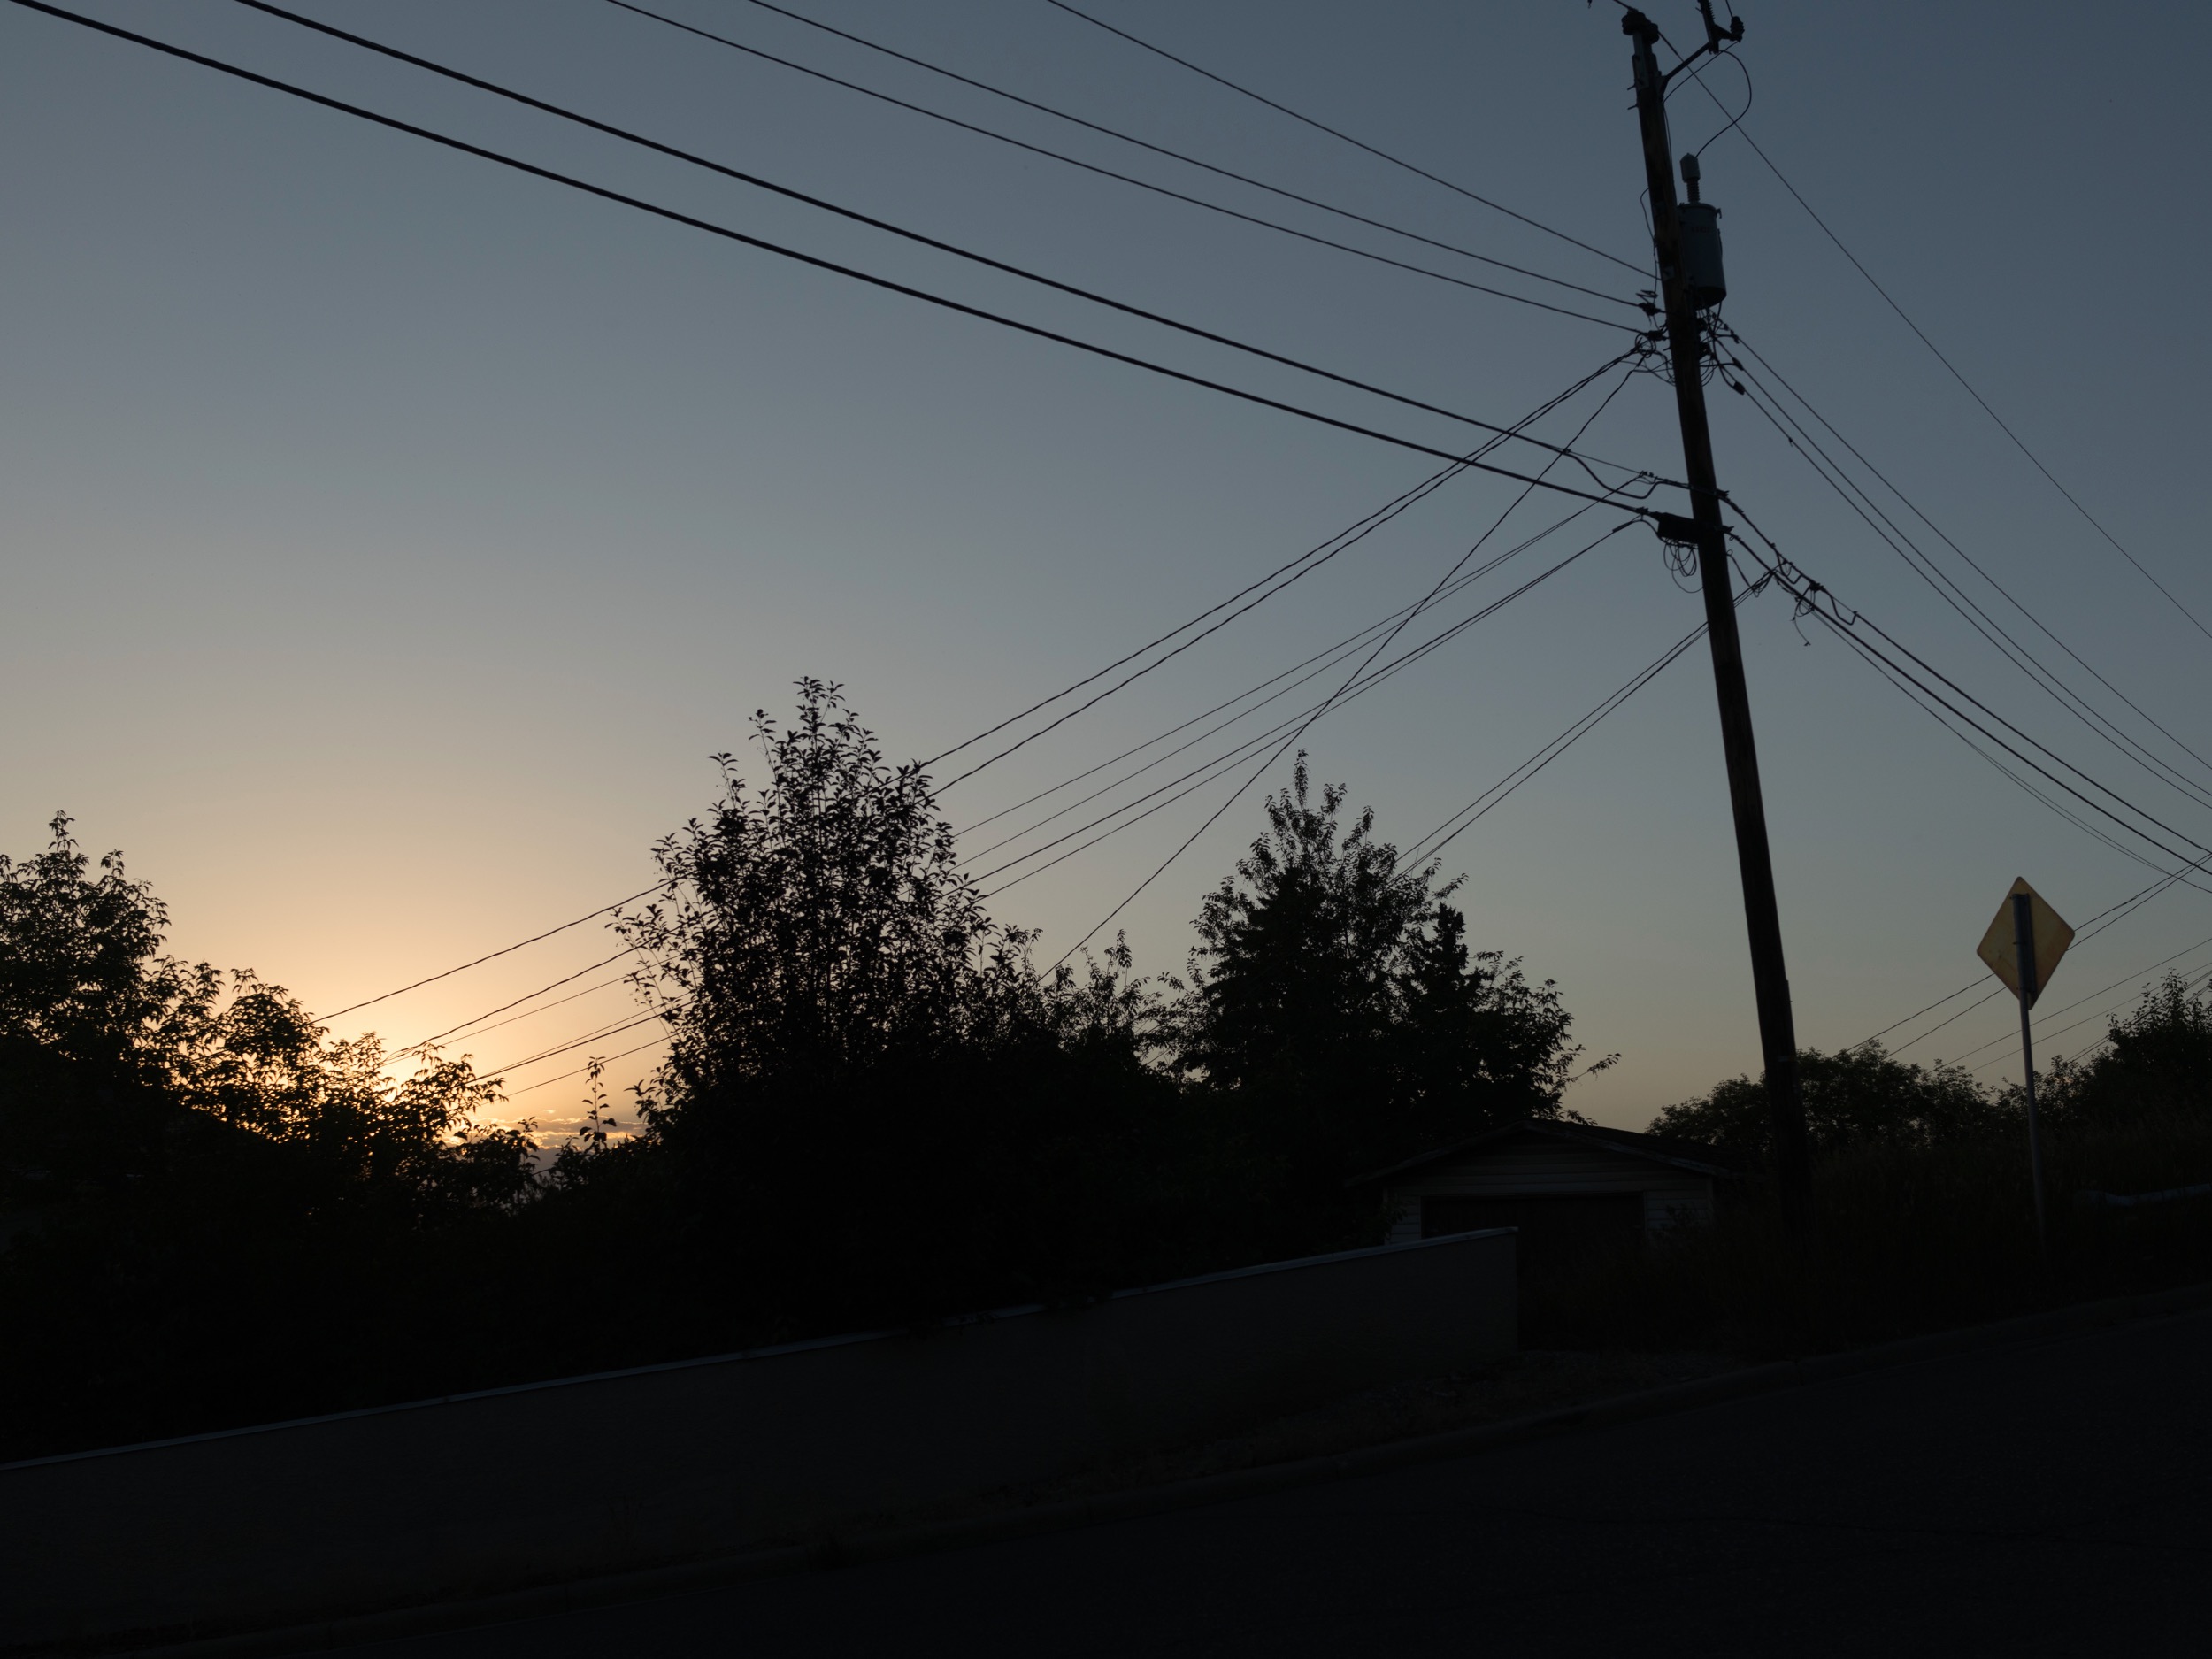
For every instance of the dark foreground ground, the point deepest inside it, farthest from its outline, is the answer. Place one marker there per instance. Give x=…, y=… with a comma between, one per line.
x=2055, y=1499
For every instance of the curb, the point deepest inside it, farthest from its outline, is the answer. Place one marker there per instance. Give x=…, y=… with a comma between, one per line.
x=546, y=1601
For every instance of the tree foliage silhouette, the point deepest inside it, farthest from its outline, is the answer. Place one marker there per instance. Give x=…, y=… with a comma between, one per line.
x=207, y=1209
x=873, y=1107
x=1855, y=1097
x=2155, y=1062
x=820, y=926
x=1333, y=1000
x=873, y=1110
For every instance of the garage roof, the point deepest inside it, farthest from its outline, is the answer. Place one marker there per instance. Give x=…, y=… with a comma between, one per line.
x=1682, y=1154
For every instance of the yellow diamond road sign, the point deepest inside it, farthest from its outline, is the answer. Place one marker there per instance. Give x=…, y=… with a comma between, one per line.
x=2001, y=950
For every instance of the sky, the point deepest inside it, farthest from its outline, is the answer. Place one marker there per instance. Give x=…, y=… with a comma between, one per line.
x=392, y=539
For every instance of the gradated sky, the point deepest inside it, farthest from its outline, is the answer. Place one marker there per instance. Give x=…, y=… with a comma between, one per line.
x=393, y=538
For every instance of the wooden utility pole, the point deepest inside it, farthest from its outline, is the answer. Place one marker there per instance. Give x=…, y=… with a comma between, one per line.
x=1777, y=1035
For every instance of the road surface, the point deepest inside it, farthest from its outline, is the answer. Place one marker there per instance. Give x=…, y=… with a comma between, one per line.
x=2052, y=1499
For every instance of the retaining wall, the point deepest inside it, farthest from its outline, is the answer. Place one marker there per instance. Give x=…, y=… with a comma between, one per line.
x=457, y=1498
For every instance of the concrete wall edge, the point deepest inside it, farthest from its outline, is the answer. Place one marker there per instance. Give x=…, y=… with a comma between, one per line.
x=738, y=1357
x=397, y=1624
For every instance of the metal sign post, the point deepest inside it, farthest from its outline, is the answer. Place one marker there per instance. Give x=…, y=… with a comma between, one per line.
x=2023, y=951
x=2022, y=947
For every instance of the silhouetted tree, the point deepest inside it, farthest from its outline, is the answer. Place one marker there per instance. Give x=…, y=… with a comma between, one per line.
x=1295, y=984
x=822, y=925
x=1334, y=1005
x=1854, y=1097
x=1478, y=1043
x=210, y=1215
x=875, y=1109
x=2156, y=1062
x=109, y=1051
x=874, y=1106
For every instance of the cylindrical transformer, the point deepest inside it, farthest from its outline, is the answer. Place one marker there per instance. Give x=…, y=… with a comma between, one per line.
x=1702, y=276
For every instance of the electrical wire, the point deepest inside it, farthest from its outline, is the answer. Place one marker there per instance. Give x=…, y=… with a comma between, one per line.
x=1936, y=351
x=1946, y=997
x=558, y=1001
x=870, y=220
x=1312, y=668
x=1903, y=678
x=1329, y=661
x=1961, y=1014
x=2081, y=938
x=1539, y=482
x=2194, y=982
x=2011, y=648
x=1993, y=633
x=1937, y=712
x=1450, y=830
x=1877, y=658
x=1969, y=560
x=1301, y=722
x=1159, y=189
x=609, y=1030
x=2020, y=782
x=1323, y=127
x=1200, y=777
x=1142, y=143
x=1975, y=618
x=1303, y=566
x=2189, y=983
x=603, y=1060
x=886, y=283
x=2014, y=777
x=1212, y=770
x=488, y=957
x=2049, y=1014
x=1209, y=769
x=1809, y=597
x=1237, y=793
x=1698, y=76
x=2102, y=789
x=2088, y=931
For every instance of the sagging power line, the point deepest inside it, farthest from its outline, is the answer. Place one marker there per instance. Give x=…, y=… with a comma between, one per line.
x=1460, y=822
x=478, y=961
x=1142, y=143
x=1334, y=544
x=2044, y=1029
x=1358, y=144
x=2104, y=919
x=1296, y=570
x=476, y=1026
x=1916, y=558
x=1364, y=680
x=872, y=222
x=1283, y=684
x=816, y=261
x=1164, y=190
x=1284, y=748
x=1951, y=368
x=1908, y=670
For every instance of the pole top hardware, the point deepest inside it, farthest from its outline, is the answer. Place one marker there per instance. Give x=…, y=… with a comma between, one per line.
x=1714, y=34
x=1646, y=33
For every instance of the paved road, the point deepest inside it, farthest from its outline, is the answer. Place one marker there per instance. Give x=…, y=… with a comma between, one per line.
x=2055, y=1499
